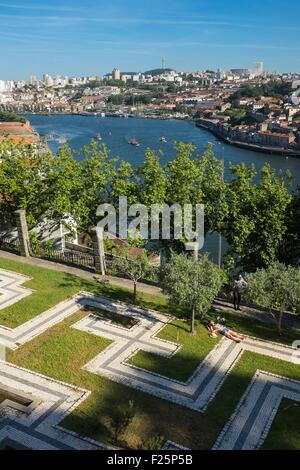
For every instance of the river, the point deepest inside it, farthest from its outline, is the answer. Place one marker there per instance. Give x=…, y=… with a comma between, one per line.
x=116, y=132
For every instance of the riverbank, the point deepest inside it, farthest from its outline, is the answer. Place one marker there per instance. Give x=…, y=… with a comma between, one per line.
x=285, y=152
x=116, y=115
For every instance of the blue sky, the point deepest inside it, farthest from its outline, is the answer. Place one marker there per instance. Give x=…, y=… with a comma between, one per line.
x=72, y=37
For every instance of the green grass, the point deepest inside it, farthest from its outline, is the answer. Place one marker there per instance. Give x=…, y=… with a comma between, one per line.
x=195, y=348
x=61, y=352
x=263, y=330
x=181, y=366
x=51, y=287
x=285, y=430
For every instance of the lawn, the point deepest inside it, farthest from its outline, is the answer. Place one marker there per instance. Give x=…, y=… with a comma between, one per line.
x=280, y=435
x=51, y=287
x=195, y=348
x=61, y=352
x=181, y=366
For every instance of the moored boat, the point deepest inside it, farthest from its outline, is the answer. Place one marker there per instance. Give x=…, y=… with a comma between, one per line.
x=134, y=142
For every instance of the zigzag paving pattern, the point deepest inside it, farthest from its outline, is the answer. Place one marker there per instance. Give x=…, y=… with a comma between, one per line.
x=11, y=290
x=196, y=393
x=199, y=389
x=49, y=402
x=249, y=425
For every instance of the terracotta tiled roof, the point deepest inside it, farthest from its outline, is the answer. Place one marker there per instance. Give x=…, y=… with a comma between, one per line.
x=18, y=132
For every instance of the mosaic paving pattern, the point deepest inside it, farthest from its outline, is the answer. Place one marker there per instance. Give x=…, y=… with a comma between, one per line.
x=11, y=290
x=38, y=428
x=195, y=393
x=250, y=424
x=246, y=429
x=199, y=389
x=111, y=363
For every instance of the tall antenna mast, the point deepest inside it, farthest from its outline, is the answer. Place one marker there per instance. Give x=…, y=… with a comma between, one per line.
x=163, y=63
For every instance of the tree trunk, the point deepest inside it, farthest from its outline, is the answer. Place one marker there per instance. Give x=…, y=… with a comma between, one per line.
x=279, y=322
x=192, y=331
x=134, y=290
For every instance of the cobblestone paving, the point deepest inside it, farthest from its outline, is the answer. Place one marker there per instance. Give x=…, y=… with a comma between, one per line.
x=251, y=422
x=38, y=428
x=11, y=290
x=195, y=393
x=198, y=390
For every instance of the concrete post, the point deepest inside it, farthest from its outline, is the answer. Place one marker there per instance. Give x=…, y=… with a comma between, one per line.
x=99, y=254
x=22, y=232
x=193, y=247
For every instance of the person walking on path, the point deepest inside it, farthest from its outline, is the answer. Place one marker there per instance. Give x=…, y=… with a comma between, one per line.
x=238, y=285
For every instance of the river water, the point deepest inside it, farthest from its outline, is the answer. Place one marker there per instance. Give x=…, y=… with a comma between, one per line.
x=117, y=132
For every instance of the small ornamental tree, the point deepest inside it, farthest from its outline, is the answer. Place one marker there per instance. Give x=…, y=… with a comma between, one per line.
x=122, y=418
x=191, y=283
x=276, y=287
x=135, y=267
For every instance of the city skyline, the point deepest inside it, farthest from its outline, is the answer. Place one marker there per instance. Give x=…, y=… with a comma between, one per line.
x=68, y=38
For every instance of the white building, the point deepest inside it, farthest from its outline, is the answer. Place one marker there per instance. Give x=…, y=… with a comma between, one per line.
x=48, y=80
x=258, y=69
x=116, y=74
x=33, y=80
x=6, y=86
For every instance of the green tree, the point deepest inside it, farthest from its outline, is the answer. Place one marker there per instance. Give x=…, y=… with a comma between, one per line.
x=116, y=99
x=135, y=267
x=193, y=178
x=22, y=173
x=11, y=117
x=255, y=224
x=192, y=284
x=122, y=418
x=123, y=183
x=64, y=186
x=277, y=287
x=181, y=108
x=151, y=180
x=153, y=443
x=132, y=100
x=98, y=170
x=211, y=190
x=43, y=184
x=289, y=249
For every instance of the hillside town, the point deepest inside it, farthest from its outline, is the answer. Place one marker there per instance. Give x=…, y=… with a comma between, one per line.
x=246, y=107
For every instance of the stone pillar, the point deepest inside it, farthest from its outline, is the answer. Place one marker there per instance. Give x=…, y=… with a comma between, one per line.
x=193, y=248
x=99, y=254
x=22, y=232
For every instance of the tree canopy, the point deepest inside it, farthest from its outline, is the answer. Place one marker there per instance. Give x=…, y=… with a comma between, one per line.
x=192, y=284
x=277, y=287
x=255, y=211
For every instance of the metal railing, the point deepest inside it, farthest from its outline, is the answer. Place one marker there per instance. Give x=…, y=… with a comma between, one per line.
x=69, y=257
x=10, y=244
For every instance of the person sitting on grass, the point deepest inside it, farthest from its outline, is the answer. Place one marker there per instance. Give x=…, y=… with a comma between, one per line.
x=216, y=328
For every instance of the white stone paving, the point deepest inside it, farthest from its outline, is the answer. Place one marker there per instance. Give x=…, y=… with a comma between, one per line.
x=11, y=290
x=52, y=402
x=112, y=362
x=250, y=424
x=198, y=390
x=196, y=393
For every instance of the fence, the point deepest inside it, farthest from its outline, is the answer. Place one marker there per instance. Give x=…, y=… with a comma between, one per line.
x=109, y=259
x=69, y=257
x=10, y=244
